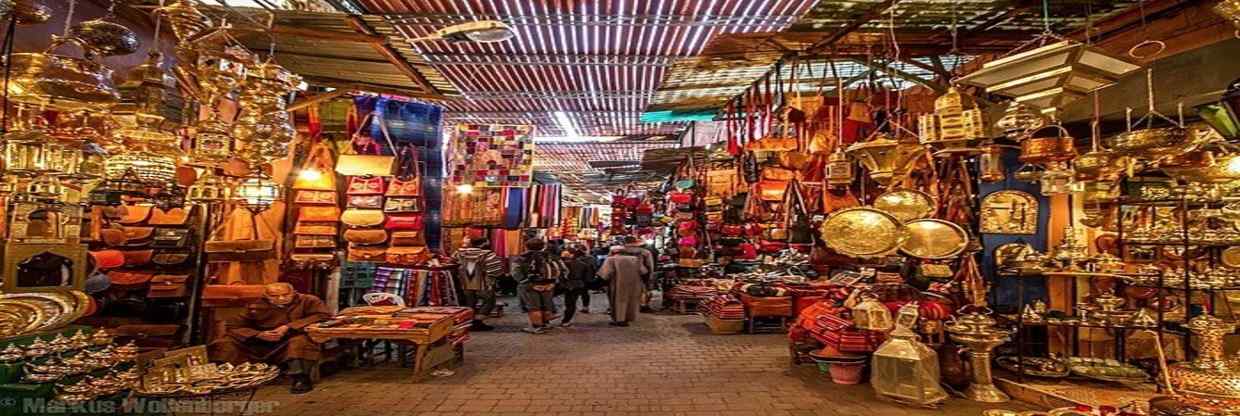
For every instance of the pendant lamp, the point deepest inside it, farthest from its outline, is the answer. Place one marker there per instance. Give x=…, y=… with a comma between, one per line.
x=1051, y=76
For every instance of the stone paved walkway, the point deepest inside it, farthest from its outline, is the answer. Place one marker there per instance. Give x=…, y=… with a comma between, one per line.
x=662, y=365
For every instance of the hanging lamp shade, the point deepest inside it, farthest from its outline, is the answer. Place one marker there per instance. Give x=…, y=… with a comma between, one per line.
x=905, y=369
x=883, y=156
x=956, y=121
x=1224, y=115
x=209, y=188
x=1051, y=76
x=258, y=193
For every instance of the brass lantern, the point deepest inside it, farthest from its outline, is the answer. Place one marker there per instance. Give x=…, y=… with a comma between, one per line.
x=150, y=108
x=884, y=157
x=209, y=188
x=258, y=193
x=212, y=142
x=1224, y=114
x=905, y=369
x=839, y=168
x=149, y=168
x=1050, y=76
x=1230, y=10
x=871, y=315
x=1018, y=120
x=956, y=121
x=185, y=19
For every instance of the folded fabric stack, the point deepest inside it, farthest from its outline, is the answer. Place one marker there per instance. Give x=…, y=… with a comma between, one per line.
x=691, y=292
x=725, y=307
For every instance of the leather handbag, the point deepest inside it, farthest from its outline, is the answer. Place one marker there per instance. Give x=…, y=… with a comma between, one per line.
x=306, y=197
x=314, y=241
x=403, y=222
x=319, y=214
x=138, y=257
x=138, y=236
x=319, y=160
x=108, y=259
x=771, y=190
x=172, y=217
x=171, y=238
x=408, y=238
x=170, y=259
x=731, y=230
x=366, y=237
x=408, y=181
x=363, y=253
x=367, y=162
x=239, y=250
x=362, y=218
x=371, y=185
x=680, y=197
x=409, y=256
x=306, y=261
x=113, y=236
x=398, y=205
x=776, y=233
x=771, y=247
x=778, y=174
x=128, y=278
x=366, y=201
x=799, y=230
x=136, y=214
x=168, y=286
x=749, y=168
x=315, y=228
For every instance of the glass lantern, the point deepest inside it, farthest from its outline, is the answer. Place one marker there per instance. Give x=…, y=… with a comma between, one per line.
x=258, y=193
x=209, y=188
x=871, y=315
x=839, y=168
x=149, y=167
x=904, y=369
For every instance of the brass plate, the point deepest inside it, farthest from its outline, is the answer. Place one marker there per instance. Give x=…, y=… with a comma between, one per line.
x=18, y=317
x=906, y=204
x=934, y=239
x=1230, y=257
x=863, y=232
x=1009, y=212
x=58, y=307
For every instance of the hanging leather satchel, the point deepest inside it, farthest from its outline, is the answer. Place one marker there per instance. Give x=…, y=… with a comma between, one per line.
x=113, y=236
x=362, y=253
x=308, y=261
x=168, y=286
x=407, y=238
x=366, y=237
x=305, y=197
x=366, y=201
x=408, y=181
x=170, y=259
x=769, y=190
x=315, y=228
x=171, y=238
x=108, y=259
x=319, y=160
x=799, y=230
x=403, y=223
x=319, y=214
x=250, y=250
x=398, y=205
x=138, y=257
x=172, y=217
x=362, y=218
x=138, y=236
x=124, y=278
x=749, y=168
x=368, y=161
x=136, y=214
x=314, y=241
x=358, y=185
x=408, y=256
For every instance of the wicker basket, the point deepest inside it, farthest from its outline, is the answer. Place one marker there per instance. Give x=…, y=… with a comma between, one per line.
x=725, y=326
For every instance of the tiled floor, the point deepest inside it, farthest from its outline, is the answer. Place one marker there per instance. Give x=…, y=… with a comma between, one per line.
x=662, y=365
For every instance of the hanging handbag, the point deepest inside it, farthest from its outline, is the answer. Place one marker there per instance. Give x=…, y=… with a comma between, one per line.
x=136, y=214
x=170, y=259
x=363, y=253
x=319, y=160
x=314, y=241
x=172, y=217
x=366, y=201
x=368, y=161
x=408, y=256
x=138, y=236
x=113, y=236
x=403, y=223
x=319, y=214
x=798, y=227
x=374, y=185
x=307, y=261
x=399, y=205
x=125, y=278
x=252, y=250
x=408, y=181
x=167, y=286
x=365, y=237
x=108, y=259
x=138, y=257
x=732, y=230
x=769, y=190
x=307, y=197
x=407, y=238
x=171, y=238
x=362, y=218
x=315, y=228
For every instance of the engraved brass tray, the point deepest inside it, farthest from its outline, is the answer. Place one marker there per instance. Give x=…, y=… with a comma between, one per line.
x=1009, y=212
x=863, y=232
x=934, y=239
x=906, y=204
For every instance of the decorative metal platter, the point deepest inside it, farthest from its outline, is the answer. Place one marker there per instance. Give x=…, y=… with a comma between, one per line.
x=1107, y=369
x=17, y=318
x=48, y=309
x=934, y=239
x=1035, y=366
x=1009, y=212
x=906, y=204
x=863, y=232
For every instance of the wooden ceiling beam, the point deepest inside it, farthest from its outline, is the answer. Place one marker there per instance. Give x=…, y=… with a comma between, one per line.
x=391, y=54
x=874, y=12
x=936, y=86
x=936, y=70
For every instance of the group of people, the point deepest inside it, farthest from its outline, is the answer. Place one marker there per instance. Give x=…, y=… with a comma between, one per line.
x=542, y=273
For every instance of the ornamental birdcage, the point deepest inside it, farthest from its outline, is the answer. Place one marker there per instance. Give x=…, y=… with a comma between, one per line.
x=956, y=121
x=903, y=368
x=871, y=315
x=148, y=167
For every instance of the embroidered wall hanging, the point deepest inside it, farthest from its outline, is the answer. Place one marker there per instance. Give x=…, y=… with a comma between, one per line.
x=493, y=155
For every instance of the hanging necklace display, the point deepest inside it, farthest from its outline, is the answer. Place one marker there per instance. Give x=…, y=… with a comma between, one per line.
x=1009, y=212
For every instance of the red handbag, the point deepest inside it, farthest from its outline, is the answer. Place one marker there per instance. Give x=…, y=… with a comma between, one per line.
x=680, y=197
x=687, y=226
x=645, y=208
x=403, y=223
x=366, y=186
x=748, y=251
x=732, y=230
x=770, y=247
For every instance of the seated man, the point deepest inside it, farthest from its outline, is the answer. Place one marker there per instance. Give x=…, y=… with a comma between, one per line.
x=273, y=331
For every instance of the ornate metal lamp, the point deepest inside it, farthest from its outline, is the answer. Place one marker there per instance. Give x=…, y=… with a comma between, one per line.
x=1224, y=114
x=871, y=315
x=956, y=122
x=905, y=369
x=1052, y=75
x=977, y=332
x=883, y=156
x=258, y=193
x=209, y=188
x=148, y=167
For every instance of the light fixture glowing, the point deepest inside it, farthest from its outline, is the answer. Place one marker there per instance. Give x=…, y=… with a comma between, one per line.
x=482, y=31
x=464, y=189
x=1233, y=166
x=566, y=124
x=310, y=174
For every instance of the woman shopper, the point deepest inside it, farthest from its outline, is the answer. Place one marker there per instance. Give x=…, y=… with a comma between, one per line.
x=581, y=269
x=623, y=271
x=537, y=272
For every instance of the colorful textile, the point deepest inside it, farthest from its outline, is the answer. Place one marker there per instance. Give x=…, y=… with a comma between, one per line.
x=492, y=155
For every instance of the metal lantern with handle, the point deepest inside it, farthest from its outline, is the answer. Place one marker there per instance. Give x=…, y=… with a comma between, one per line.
x=905, y=369
x=871, y=315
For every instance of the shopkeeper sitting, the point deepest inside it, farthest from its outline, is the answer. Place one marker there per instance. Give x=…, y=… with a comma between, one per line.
x=273, y=331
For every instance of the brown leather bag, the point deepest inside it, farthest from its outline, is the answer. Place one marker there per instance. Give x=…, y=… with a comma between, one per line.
x=354, y=217
x=408, y=238
x=362, y=253
x=366, y=237
x=113, y=236
x=138, y=236
x=125, y=278
x=170, y=259
x=409, y=256
x=771, y=190
x=326, y=213
x=175, y=216
x=136, y=214
x=168, y=286
x=315, y=228
x=251, y=250
x=306, y=197
x=138, y=257
x=314, y=241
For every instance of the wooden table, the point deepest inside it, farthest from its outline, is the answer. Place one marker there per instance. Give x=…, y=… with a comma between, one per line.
x=433, y=347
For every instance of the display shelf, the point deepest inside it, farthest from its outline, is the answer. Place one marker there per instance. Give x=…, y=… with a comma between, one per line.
x=1189, y=243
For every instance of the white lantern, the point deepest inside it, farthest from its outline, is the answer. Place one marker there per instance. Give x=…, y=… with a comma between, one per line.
x=904, y=369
